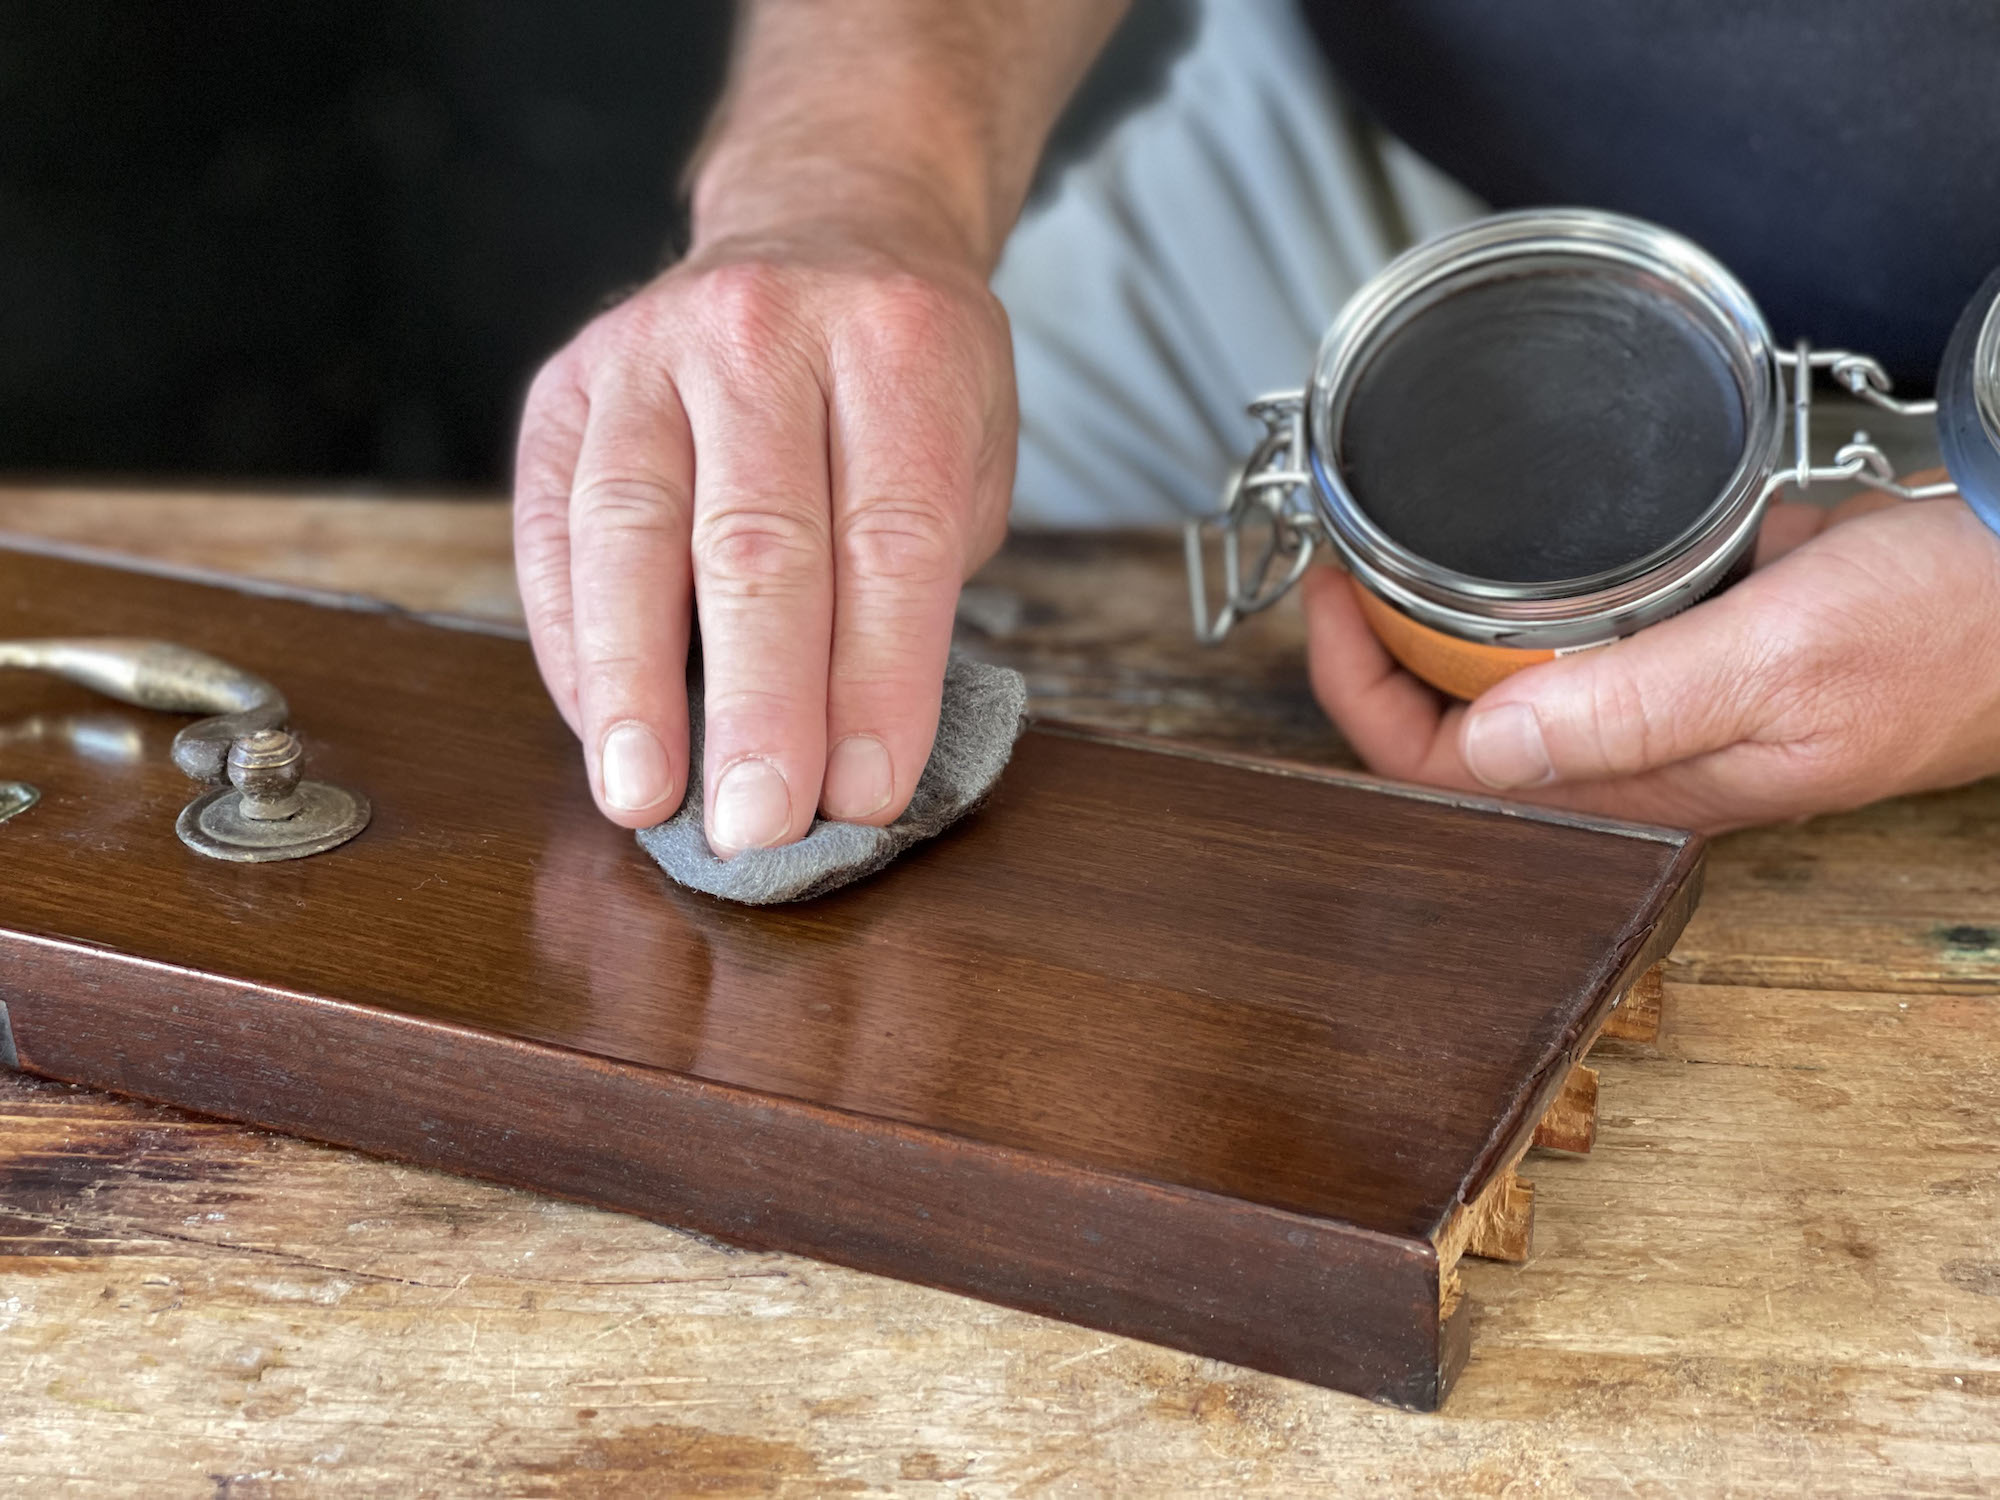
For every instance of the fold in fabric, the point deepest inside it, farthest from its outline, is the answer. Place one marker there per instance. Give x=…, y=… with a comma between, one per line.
x=980, y=718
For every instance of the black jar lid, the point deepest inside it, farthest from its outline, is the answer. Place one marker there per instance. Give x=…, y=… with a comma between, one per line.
x=1476, y=335
x=1556, y=423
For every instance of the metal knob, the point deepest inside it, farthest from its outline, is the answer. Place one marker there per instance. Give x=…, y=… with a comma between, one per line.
x=16, y=797
x=265, y=769
x=267, y=811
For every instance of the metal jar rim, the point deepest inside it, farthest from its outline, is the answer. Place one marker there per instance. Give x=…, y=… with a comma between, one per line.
x=1571, y=611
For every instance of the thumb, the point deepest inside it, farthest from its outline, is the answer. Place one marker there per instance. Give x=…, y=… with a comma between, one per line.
x=1684, y=687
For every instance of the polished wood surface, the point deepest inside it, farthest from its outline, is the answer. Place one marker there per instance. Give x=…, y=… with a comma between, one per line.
x=1308, y=996
x=1772, y=1274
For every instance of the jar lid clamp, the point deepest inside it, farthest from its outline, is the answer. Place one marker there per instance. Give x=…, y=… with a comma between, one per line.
x=1292, y=489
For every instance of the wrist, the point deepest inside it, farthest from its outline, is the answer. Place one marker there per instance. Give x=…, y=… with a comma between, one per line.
x=762, y=190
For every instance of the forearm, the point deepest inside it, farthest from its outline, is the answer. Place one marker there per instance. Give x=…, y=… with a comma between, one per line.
x=931, y=113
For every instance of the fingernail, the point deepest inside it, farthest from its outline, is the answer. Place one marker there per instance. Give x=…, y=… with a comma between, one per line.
x=859, y=781
x=752, y=808
x=1504, y=748
x=633, y=768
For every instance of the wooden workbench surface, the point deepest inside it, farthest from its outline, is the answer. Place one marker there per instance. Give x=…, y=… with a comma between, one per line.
x=1779, y=1270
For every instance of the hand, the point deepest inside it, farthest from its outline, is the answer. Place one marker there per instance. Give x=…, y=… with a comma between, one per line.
x=806, y=437
x=1861, y=660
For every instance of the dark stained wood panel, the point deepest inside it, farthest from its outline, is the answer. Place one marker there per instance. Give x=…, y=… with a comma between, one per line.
x=1196, y=1050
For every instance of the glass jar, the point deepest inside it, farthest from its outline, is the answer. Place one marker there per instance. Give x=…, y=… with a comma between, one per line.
x=1543, y=431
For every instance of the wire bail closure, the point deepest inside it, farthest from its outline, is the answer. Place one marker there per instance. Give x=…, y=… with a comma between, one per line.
x=1859, y=460
x=1273, y=489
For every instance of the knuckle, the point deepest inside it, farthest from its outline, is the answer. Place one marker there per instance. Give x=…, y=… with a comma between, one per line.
x=1787, y=643
x=905, y=541
x=544, y=587
x=634, y=338
x=552, y=421
x=907, y=326
x=989, y=532
x=890, y=689
x=911, y=313
x=557, y=384
x=1620, y=720
x=628, y=504
x=541, y=551
x=546, y=607
x=1797, y=672
x=611, y=340
x=756, y=549
x=541, y=519
x=749, y=302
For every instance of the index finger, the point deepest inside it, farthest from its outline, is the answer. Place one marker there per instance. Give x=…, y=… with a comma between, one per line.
x=1397, y=725
x=552, y=423
x=630, y=596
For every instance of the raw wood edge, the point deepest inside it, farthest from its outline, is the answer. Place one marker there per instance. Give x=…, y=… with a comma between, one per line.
x=1636, y=1017
x=1499, y=1223
x=1570, y=1121
x=1503, y=1220
x=1680, y=892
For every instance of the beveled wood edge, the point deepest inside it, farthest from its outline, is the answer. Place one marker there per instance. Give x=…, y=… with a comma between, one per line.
x=1475, y=1218
x=1405, y=1265
x=1689, y=844
x=1486, y=1190
x=1447, y=1243
x=1362, y=781
x=1675, y=898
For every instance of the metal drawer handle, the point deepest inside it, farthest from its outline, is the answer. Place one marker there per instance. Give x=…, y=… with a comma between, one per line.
x=265, y=810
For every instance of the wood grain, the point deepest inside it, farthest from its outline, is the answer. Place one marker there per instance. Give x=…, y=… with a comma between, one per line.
x=1638, y=1015
x=437, y=554
x=1774, y=1274
x=1281, y=1021
x=1570, y=1121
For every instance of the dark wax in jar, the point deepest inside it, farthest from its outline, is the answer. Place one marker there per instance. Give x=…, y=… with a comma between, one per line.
x=1548, y=425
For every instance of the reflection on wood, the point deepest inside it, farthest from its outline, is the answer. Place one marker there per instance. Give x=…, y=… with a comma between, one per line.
x=278, y=1306
x=1158, y=1042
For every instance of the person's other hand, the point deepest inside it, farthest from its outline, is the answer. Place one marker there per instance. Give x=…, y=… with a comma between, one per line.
x=806, y=438
x=1861, y=660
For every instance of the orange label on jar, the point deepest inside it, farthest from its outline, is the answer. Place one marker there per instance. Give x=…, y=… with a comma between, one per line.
x=1465, y=669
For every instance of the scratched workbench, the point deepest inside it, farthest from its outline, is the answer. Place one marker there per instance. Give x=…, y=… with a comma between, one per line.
x=1779, y=1270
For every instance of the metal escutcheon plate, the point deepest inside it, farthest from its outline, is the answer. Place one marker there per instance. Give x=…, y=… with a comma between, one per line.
x=16, y=797
x=214, y=824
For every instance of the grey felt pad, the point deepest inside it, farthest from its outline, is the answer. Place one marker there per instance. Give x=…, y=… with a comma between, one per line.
x=977, y=726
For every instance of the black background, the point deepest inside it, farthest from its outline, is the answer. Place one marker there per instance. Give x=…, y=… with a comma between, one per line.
x=332, y=241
